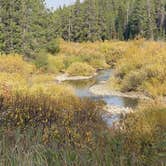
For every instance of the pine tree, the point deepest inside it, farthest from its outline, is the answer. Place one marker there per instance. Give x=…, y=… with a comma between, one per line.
x=102, y=24
x=10, y=24
x=120, y=23
x=24, y=26
x=91, y=29
x=150, y=26
x=137, y=20
x=77, y=22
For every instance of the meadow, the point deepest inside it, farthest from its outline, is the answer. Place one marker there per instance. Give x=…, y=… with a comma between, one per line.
x=44, y=123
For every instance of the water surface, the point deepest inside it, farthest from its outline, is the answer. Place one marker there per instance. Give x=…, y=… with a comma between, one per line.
x=81, y=88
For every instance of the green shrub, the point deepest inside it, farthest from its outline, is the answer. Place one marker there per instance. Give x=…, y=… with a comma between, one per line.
x=133, y=81
x=68, y=60
x=80, y=69
x=55, y=64
x=53, y=47
x=41, y=60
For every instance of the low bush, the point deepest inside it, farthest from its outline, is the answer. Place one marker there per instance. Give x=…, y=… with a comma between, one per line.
x=56, y=64
x=80, y=69
x=39, y=129
x=113, y=51
x=52, y=109
x=53, y=47
x=14, y=63
x=13, y=81
x=133, y=81
x=145, y=133
x=155, y=87
x=142, y=68
x=41, y=60
x=41, y=78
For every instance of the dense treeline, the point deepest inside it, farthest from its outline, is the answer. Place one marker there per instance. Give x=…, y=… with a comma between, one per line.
x=25, y=26
x=112, y=19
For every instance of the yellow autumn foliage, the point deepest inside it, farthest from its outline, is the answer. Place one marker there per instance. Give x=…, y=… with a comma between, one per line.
x=41, y=78
x=80, y=69
x=143, y=68
x=145, y=126
x=14, y=63
x=55, y=63
x=13, y=81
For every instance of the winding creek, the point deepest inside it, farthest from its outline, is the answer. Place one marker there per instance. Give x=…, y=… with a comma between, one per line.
x=81, y=88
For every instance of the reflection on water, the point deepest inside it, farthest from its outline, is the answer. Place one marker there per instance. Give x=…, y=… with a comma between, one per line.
x=120, y=101
x=81, y=87
x=82, y=90
x=104, y=75
x=82, y=83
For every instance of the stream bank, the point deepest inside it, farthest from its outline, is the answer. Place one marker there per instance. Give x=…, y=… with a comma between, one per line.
x=116, y=103
x=102, y=90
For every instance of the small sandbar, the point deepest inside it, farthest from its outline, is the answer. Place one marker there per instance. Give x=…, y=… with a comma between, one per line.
x=102, y=90
x=116, y=110
x=66, y=77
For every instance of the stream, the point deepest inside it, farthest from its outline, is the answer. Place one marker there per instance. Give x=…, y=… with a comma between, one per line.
x=81, y=88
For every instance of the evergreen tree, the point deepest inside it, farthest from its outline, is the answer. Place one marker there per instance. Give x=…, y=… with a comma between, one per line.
x=77, y=22
x=91, y=29
x=137, y=20
x=24, y=26
x=113, y=19
x=102, y=24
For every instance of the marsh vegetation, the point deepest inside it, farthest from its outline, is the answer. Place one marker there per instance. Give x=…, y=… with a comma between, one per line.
x=117, y=45
x=45, y=123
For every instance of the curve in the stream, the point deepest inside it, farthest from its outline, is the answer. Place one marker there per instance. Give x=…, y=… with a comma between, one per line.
x=82, y=90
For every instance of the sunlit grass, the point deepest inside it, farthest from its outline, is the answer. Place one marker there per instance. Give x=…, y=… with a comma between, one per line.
x=143, y=68
x=44, y=123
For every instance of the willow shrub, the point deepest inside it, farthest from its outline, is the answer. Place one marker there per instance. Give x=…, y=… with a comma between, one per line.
x=56, y=63
x=79, y=137
x=81, y=69
x=143, y=68
x=14, y=63
x=56, y=111
x=144, y=133
x=47, y=125
x=97, y=54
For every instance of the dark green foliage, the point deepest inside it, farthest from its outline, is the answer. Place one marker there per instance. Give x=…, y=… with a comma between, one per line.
x=41, y=60
x=112, y=19
x=53, y=47
x=25, y=26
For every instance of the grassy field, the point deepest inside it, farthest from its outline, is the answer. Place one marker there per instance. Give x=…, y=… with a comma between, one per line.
x=44, y=123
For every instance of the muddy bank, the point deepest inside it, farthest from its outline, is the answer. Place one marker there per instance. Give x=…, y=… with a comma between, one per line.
x=113, y=114
x=102, y=90
x=115, y=110
x=66, y=77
